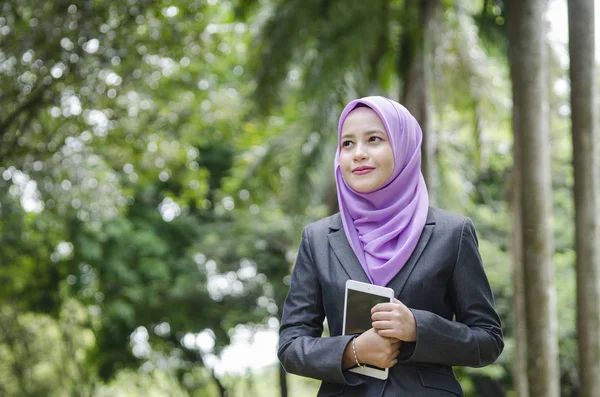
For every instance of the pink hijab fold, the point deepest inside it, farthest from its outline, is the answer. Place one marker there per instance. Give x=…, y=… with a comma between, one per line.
x=383, y=227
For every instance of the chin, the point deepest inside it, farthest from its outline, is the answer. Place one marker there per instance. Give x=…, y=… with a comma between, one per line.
x=362, y=188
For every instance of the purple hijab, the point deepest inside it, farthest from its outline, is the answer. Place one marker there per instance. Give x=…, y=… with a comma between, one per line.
x=384, y=226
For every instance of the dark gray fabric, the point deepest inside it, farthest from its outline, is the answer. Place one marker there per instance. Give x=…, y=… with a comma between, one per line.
x=443, y=278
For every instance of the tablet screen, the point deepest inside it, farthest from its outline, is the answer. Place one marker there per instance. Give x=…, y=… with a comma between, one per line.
x=358, y=310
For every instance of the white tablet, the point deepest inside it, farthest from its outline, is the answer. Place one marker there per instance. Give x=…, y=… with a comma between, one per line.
x=358, y=302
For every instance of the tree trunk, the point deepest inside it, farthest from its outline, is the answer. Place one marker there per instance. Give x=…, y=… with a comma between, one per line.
x=283, y=387
x=585, y=165
x=520, y=383
x=488, y=387
x=416, y=71
x=222, y=390
x=528, y=71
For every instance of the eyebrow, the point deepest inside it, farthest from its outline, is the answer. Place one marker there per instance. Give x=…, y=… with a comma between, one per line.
x=367, y=133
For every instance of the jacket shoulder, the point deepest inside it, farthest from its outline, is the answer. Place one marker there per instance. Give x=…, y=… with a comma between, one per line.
x=448, y=220
x=324, y=225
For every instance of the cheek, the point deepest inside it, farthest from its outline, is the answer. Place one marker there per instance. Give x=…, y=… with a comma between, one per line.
x=389, y=162
x=391, y=165
x=345, y=160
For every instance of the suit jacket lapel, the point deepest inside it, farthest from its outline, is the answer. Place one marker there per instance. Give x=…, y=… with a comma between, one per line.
x=398, y=282
x=343, y=251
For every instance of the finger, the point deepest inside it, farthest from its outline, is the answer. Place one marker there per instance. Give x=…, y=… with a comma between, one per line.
x=382, y=325
x=383, y=307
x=396, y=354
x=389, y=333
x=396, y=345
x=392, y=363
x=381, y=316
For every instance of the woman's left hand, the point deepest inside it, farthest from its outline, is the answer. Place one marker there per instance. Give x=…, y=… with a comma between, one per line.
x=394, y=320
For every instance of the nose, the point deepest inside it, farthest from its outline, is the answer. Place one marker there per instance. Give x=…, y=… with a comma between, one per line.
x=359, y=153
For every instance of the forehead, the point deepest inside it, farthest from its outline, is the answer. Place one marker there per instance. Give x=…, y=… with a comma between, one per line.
x=362, y=119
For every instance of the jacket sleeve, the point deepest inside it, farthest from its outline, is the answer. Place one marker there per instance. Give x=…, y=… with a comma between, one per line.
x=302, y=350
x=475, y=338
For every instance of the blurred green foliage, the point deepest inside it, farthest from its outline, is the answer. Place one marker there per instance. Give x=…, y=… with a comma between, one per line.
x=158, y=160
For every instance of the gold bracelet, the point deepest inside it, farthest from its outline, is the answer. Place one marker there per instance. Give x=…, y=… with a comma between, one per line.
x=354, y=352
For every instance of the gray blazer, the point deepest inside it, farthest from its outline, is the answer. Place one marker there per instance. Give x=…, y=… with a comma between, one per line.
x=444, y=278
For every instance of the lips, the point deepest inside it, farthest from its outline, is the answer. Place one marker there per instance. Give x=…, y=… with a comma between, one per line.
x=362, y=170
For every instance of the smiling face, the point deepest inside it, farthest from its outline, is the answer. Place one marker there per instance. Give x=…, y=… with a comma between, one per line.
x=366, y=156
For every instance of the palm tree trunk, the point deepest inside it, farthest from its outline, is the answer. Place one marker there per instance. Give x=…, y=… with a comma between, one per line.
x=528, y=63
x=585, y=164
x=416, y=71
x=520, y=382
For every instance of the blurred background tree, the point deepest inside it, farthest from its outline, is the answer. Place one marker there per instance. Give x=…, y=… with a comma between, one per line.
x=158, y=160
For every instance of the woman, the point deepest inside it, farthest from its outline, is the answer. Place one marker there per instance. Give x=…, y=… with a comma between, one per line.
x=386, y=234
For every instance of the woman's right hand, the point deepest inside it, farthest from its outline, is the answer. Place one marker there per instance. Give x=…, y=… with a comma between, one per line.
x=377, y=350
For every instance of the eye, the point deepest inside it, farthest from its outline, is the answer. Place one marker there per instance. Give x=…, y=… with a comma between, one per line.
x=375, y=139
x=346, y=143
